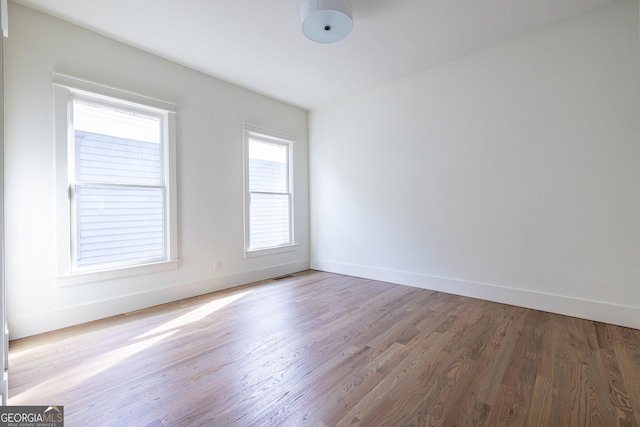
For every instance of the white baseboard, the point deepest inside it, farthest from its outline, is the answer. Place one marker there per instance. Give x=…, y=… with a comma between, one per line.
x=569, y=306
x=33, y=324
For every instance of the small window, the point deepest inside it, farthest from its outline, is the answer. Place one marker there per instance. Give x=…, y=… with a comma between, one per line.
x=269, y=194
x=117, y=176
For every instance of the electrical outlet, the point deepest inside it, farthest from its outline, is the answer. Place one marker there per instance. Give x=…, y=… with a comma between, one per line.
x=217, y=265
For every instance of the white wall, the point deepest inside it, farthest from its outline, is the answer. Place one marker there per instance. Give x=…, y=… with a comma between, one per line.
x=512, y=174
x=210, y=186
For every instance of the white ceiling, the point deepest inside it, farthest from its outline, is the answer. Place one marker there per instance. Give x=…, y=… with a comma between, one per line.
x=258, y=44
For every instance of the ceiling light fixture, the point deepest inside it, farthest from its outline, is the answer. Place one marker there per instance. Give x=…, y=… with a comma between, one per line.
x=326, y=21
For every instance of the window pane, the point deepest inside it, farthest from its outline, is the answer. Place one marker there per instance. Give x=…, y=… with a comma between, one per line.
x=114, y=146
x=117, y=122
x=103, y=158
x=268, y=169
x=116, y=225
x=269, y=220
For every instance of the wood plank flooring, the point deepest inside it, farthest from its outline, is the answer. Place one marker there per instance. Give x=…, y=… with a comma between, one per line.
x=322, y=349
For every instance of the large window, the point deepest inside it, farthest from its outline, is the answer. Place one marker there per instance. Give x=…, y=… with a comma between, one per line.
x=116, y=172
x=269, y=192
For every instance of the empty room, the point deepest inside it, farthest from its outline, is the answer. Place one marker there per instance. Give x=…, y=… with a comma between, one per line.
x=322, y=212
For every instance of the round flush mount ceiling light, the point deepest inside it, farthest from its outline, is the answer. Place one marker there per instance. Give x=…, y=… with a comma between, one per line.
x=326, y=21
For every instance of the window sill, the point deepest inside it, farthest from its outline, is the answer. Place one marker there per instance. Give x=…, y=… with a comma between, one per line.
x=269, y=251
x=83, y=278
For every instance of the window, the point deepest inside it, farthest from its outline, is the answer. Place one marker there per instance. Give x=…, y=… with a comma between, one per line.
x=269, y=193
x=116, y=181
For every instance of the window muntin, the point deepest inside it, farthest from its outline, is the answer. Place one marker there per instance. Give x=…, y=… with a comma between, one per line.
x=269, y=192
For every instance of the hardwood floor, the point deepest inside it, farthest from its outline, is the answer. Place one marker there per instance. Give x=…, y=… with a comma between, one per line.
x=323, y=349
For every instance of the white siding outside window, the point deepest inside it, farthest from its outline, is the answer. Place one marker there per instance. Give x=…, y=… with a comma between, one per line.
x=117, y=191
x=269, y=198
x=116, y=173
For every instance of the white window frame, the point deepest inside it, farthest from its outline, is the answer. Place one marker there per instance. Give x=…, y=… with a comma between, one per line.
x=67, y=89
x=269, y=136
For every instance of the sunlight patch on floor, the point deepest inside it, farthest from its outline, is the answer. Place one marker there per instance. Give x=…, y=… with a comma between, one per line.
x=71, y=378
x=87, y=370
x=194, y=315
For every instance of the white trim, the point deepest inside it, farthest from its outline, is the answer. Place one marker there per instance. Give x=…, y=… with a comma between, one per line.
x=96, y=89
x=171, y=184
x=4, y=335
x=37, y=323
x=65, y=90
x=270, y=251
x=81, y=278
x=4, y=13
x=275, y=137
x=63, y=213
x=269, y=133
x=599, y=311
